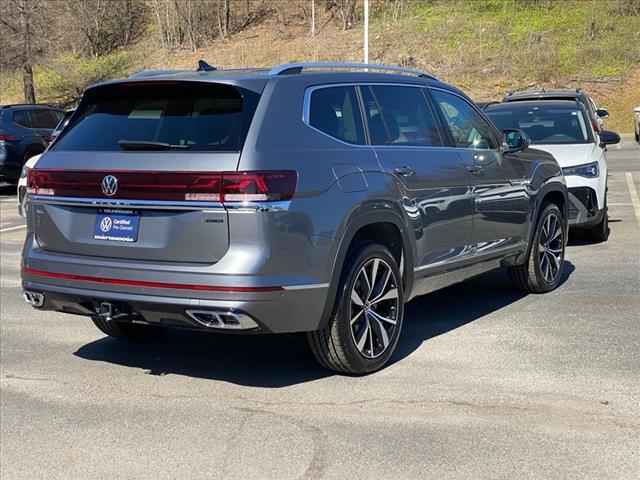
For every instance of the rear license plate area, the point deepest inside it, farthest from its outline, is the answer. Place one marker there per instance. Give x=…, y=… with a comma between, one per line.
x=117, y=226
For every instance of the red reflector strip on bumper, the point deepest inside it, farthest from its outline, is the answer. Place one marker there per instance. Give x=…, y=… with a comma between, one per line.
x=145, y=283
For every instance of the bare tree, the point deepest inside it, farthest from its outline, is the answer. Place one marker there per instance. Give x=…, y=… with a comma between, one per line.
x=191, y=23
x=227, y=16
x=18, y=18
x=26, y=13
x=100, y=27
x=224, y=18
x=346, y=10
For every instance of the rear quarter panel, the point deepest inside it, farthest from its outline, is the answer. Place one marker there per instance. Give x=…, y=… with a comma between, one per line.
x=340, y=186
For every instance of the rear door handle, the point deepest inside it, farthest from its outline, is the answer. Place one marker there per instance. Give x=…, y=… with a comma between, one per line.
x=405, y=171
x=475, y=169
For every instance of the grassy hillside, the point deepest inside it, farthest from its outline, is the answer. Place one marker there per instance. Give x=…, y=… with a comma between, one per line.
x=486, y=47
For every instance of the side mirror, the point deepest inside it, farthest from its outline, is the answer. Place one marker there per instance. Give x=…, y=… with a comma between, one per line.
x=636, y=110
x=608, y=138
x=602, y=112
x=514, y=140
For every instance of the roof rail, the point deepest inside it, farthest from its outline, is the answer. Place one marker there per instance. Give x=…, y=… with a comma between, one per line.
x=294, y=68
x=11, y=105
x=152, y=73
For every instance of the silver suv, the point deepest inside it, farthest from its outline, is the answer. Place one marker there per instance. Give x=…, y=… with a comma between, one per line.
x=315, y=198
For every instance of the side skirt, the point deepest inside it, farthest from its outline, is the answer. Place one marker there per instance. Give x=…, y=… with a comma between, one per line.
x=437, y=281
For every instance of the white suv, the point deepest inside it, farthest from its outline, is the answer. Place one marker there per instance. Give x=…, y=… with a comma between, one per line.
x=562, y=128
x=636, y=123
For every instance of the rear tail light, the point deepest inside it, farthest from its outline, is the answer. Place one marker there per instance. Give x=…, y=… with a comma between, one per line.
x=258, y=186
x=7, y=138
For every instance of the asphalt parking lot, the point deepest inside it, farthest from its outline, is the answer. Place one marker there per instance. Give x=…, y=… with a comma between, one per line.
x=486, y=383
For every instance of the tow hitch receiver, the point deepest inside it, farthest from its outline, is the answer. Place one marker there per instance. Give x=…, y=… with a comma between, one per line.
x=108, y=311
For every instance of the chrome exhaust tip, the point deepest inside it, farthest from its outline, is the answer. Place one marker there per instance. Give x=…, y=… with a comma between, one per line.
x=226, y=320
x=35, y=299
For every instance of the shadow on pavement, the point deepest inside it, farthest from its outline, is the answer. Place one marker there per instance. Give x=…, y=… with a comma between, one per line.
x=274, y=361
x=440, y=312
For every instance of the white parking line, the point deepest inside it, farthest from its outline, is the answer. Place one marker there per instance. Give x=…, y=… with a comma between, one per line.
x=635, y=200
x=10, y=229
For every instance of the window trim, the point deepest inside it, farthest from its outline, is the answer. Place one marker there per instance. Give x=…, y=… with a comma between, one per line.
x=27, y=112
x=452, y=144
x=306, y=106
x=429, y=106
x=54, y=110
x=306, y=112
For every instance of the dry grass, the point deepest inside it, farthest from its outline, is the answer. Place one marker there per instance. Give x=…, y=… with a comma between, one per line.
x=621, y=98
x=473, y=64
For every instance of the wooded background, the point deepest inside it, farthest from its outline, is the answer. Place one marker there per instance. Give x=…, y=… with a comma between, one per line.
x=51, y=50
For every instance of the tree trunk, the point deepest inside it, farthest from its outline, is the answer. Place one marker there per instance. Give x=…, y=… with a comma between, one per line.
x=223, y=33
x=27, y=67
x=227, y=17
x=161, y=28
x=27, y=81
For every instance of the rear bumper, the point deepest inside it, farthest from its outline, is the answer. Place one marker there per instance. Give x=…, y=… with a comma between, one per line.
x=290, y=310
x=277, y=269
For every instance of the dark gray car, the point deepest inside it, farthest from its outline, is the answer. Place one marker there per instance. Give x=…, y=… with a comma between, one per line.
x=25, y=131
x=314, y=198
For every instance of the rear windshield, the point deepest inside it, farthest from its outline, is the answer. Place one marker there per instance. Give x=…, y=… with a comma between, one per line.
x=191, y=116
x=544, y=125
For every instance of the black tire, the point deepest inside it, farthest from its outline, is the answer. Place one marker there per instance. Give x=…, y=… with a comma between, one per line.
x=125, y=330
x=600, y=233
x=531, y=276
x=335, y=346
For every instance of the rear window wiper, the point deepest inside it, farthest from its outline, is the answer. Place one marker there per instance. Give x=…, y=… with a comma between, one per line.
x=144, y=145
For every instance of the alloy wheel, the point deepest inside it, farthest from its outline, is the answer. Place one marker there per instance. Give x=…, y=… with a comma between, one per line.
x=551, y=248
x=375, y=304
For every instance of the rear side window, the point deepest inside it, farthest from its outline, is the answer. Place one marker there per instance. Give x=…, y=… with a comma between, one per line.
x=45, y=118
x=468, y=129
x=21, y=117
x=399, y=115
x=335, y=111
x=192, y=116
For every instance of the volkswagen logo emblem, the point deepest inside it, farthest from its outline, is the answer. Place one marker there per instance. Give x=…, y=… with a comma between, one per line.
x=106, y=224
x=109, y=185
